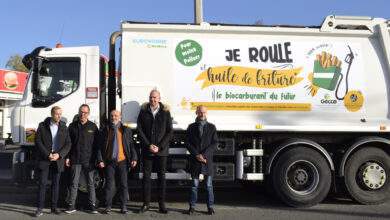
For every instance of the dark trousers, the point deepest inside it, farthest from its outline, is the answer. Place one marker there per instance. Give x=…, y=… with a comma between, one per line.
x=119, y=170
x=75, y=172
x=43, y=174
x=161, y=163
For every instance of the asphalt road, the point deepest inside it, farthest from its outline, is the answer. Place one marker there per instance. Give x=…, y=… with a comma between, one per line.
x=234, y=203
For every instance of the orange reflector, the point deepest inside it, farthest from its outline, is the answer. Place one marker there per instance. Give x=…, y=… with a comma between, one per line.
x=382, y=128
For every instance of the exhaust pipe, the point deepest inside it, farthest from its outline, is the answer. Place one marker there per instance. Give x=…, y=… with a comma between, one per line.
x=111, y=71
x=198, y=7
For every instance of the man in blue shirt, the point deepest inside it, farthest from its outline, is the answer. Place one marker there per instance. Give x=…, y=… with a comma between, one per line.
x=52, y=144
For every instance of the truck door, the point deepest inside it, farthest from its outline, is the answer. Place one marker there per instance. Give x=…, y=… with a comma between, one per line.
x=60, y=80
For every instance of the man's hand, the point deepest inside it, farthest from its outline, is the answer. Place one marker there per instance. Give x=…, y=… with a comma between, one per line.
x=153, y=148
x=101, y=165
x=56, y=156
x=67, y=162
x=133, y=163
x=200, y=158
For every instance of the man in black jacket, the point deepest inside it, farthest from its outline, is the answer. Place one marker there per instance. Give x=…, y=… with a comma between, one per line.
x=202, y=141
x=154, y=125
x=82, y=157
x=116, y=155
x=52, y=144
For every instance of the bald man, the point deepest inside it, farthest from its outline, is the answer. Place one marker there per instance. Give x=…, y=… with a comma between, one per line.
x=116, y=156
x=154, y=125
x=202, y=140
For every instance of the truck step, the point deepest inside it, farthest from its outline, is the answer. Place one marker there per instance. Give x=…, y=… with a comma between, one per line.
x=253, y=152
x=253, y=176
x=168, y=176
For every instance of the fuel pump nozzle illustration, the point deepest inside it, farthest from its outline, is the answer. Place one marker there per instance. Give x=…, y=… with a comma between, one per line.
x=348, y=59
x=327, y=73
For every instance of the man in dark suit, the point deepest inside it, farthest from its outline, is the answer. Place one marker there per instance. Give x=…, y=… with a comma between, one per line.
x=52, y=144
x=154, y=125
x=117, y=154
x=202, y=140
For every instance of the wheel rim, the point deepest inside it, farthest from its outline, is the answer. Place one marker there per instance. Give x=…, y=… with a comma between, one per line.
x=372, y=176
x=302, y=177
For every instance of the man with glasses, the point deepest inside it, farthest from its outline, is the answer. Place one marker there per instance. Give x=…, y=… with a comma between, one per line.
x=82, y=157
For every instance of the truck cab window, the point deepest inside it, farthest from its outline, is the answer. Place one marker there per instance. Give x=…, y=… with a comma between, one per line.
x=56, y=79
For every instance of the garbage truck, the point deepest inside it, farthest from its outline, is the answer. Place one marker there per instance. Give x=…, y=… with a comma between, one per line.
x=303, y=108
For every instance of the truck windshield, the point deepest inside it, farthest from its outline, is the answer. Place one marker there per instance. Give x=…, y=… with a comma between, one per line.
x=57, y=78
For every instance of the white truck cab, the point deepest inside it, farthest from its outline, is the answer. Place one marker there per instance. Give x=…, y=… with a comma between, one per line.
x=65, y=77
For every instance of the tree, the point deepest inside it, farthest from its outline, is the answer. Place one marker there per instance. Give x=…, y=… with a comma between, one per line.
x=15, y=63
x=259, y=22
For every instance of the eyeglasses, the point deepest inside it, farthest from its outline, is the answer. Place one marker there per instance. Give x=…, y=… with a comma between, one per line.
x=81, y=112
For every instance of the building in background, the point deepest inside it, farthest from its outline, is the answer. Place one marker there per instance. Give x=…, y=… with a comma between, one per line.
x=12, y=85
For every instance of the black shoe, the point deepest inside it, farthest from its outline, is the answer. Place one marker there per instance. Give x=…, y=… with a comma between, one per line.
x=93, y=210
x=191, y=211
x=107, y=210
x=144, y=208
x=38, y=213
x=124, y=210
x=70, y=210
x=55, y=211
x=210, y=211
x=163, y=210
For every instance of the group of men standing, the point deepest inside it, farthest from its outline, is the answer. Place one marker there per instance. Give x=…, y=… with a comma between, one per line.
x=83, y=148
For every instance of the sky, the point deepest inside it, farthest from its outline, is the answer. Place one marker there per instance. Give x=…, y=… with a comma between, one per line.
x=27, y=24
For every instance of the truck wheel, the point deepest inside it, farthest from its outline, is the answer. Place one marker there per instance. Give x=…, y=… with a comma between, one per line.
x=301, y=177
x=367, y=176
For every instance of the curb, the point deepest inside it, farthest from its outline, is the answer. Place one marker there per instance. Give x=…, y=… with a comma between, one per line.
x=16, y=189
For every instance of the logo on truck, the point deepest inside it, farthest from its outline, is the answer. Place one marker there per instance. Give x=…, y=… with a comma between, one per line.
x=188, y=52
x=328, y=100
x=151, y=43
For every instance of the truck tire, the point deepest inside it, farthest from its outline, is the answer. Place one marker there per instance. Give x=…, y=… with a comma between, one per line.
x=301, y=177
x=367, y=176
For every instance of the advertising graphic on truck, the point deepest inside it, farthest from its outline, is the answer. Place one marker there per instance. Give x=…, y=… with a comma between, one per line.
x=269, y=76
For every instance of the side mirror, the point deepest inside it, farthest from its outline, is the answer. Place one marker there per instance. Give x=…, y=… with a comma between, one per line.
x=29, y=58
x=36, y=66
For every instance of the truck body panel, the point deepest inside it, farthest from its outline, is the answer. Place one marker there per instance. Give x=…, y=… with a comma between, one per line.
x=294, y=91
